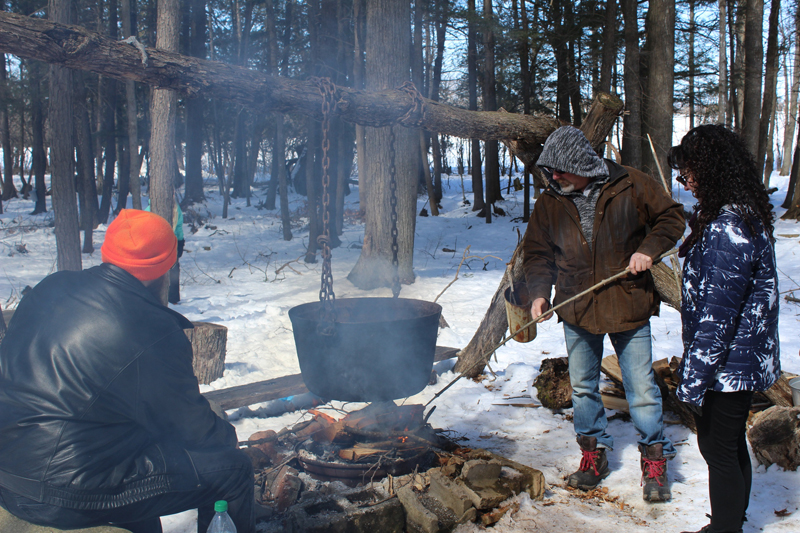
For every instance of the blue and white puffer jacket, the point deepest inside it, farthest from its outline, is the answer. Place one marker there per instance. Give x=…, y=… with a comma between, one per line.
x=729, y=311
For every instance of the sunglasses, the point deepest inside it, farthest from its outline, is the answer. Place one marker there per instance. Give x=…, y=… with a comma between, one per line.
x=554, y=170
x=682, y=179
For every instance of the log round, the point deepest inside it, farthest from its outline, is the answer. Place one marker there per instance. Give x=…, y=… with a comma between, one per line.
x=209, y=342
x=775, y=437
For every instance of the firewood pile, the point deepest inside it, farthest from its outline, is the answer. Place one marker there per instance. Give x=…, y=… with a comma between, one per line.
x=555, y=392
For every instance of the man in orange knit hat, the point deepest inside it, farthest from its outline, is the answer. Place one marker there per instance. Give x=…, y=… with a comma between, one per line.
x=101, y=418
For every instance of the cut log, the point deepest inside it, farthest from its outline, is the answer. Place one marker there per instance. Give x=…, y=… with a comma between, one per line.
x=775, y=437
x=780, y=394
x=208, y=347
x=472, y=359
x=552, y=384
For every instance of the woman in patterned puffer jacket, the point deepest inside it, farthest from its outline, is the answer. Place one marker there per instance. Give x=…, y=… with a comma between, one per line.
x=729, y=309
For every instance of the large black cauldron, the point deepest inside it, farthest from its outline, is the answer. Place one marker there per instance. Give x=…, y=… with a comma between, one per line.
x=381, y=348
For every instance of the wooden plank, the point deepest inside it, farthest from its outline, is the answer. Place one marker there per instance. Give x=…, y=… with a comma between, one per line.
x=273, y=389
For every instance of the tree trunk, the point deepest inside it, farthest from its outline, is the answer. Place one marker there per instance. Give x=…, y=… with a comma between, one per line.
x=163, y=108
x=87, y=191
x=770, y=88
x=193, y=190
x=737, y=61
x=791, y=119
x=9, y=189
x=722, y=65
x=68, y=246
x=388, y=47
x=632, y=120
x=792, y=201
x=472, y=359
x=359, y=20
x=559, y=39
x=609, y=46
x=38, y=154
x=753, y=75
x=472, y=86
x=691, y=63
x=657, y=115
x=133, y=121
x=278, y=152
x=312, y=194
x=108, y=90
x=770, y=162
x=493, y=189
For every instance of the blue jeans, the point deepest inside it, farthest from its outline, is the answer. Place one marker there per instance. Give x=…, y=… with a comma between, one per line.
x=634, y=351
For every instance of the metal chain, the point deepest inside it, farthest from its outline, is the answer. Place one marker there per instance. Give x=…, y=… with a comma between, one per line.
x=326, y=294
x=393, y=203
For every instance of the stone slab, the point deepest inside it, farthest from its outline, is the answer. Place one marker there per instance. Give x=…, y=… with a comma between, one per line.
x=416, y=513
x=449, y=493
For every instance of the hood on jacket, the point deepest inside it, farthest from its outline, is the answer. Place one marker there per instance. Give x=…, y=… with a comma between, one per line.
x=568, y=149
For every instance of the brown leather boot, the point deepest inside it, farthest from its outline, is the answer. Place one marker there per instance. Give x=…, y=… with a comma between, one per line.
x=594, y=465
x=655, y=487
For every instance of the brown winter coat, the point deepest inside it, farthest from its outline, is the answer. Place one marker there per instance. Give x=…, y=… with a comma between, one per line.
x=633, y=214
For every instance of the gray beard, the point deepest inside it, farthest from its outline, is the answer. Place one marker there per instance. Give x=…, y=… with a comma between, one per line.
x=566, y=187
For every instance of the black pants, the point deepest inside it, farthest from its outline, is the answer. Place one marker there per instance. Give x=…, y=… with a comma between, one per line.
x=224, y=475
x=721, y=438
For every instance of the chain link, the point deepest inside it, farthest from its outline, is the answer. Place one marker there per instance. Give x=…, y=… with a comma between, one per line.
x=393, y=203
x=326, y=294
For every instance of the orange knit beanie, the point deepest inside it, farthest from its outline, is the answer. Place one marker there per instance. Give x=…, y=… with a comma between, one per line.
x=140, y=242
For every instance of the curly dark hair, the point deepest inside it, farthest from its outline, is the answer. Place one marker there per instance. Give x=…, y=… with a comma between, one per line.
x=724, y=173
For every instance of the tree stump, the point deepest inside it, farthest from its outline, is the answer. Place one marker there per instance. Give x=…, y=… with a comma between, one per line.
x=775, y=437
x=552, y=384
x=208, y=347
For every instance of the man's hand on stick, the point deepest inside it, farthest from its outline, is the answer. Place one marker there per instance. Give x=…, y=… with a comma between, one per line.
x=539, y=307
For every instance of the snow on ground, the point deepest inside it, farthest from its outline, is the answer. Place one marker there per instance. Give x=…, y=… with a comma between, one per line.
x=240, y=273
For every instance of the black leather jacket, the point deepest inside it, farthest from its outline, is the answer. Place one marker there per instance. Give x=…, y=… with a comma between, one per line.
x=98, y=400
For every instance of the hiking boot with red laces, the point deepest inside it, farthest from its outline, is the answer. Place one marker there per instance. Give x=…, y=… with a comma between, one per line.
x=655, y=487
x=594, y=465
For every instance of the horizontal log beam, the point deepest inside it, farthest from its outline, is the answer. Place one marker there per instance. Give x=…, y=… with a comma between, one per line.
x=78, y=48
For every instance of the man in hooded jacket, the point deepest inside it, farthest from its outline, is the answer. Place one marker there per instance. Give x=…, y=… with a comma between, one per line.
x=101, y=417
x=595, y=219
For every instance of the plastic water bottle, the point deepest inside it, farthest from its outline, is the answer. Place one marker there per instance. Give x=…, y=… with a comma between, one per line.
x=221, y=523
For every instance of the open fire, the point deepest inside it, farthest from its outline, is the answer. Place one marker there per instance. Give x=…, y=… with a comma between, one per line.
x=378, y=468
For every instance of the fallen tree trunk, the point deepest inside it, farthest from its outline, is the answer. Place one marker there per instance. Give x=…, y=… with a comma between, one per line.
x=472, y=359
x=78, y=48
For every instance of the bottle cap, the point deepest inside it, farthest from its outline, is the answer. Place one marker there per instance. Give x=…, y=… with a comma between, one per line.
x=221, y=506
